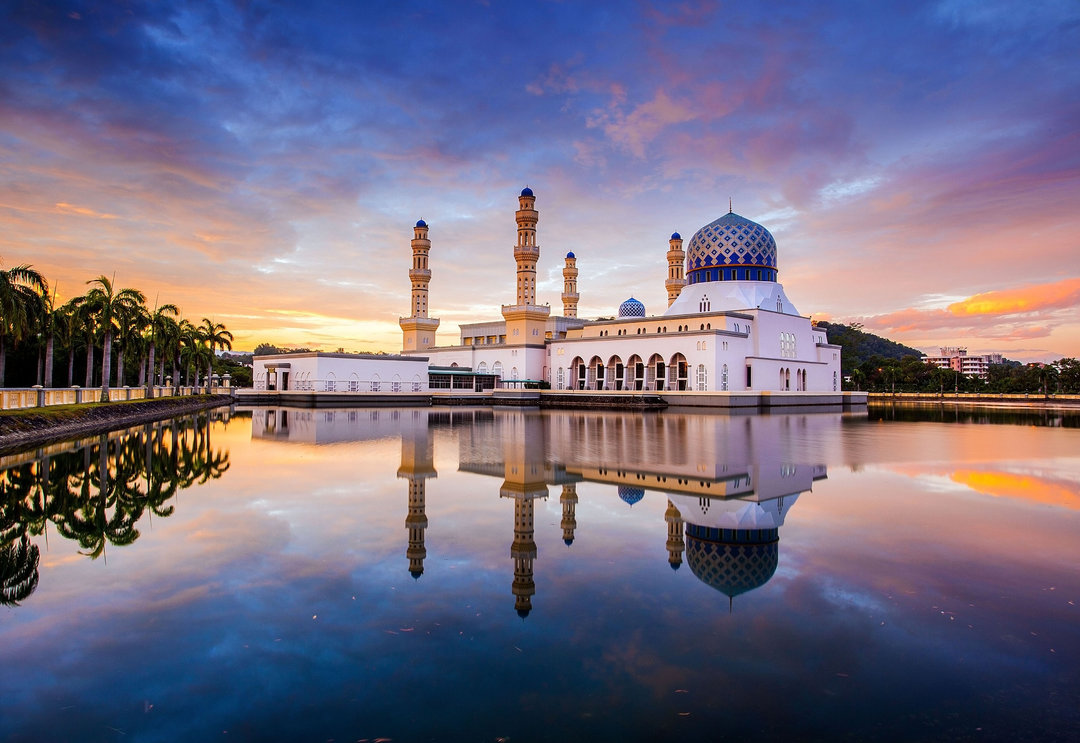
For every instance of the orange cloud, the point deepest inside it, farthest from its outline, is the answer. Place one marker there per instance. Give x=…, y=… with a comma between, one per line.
x=1022, y=487
x=1023, y=299
x=82, y=211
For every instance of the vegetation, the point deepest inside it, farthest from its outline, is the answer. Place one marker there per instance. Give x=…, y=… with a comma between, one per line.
x=875, y=364
x=44, y=343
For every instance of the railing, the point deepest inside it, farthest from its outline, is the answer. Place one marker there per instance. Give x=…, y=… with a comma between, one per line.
x=343, y=385
x=15, y=398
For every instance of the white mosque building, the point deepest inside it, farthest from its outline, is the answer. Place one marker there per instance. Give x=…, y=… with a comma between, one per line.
x=728, y=326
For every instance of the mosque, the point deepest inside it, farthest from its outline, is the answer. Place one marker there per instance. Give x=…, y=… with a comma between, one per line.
x=728, y=326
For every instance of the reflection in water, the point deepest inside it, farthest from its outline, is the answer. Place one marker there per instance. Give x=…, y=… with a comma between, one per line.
x=950, y=412
x=897, y=601
x=728, y=481
x=96, y=490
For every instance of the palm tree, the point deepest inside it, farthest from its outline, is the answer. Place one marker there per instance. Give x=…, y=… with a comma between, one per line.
x=133, y=319
x=109, y=306
x=188, y=350
x=215, y=334
x=51, y=325
x=21, y=288
x=161, y=320
x=66, y=330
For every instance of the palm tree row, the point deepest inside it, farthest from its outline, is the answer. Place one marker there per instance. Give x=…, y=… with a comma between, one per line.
x=116, y=321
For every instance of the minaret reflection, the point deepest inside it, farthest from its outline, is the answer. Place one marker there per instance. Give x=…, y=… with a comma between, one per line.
x=417, y=466
x=675, y=543
x=569, y=500
x=523, y=473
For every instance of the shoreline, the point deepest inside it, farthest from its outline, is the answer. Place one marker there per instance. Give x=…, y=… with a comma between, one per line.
x=28, y=428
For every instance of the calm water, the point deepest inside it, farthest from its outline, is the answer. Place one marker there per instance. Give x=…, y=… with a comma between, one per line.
x=484, y=575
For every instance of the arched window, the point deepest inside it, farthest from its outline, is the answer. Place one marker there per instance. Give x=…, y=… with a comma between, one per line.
x=560, y=378
x=481, y=368
x=496, y=369
x=702, y=378
x=834, y=381
x=723, y=377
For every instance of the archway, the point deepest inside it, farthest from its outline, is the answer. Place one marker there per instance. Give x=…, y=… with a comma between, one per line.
x=679, y=373
x=615, y=373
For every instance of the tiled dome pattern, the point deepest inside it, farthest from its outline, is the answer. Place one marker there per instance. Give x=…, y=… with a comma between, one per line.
x=732, y=569
x=630, y=494
x=631, y=308
x=731, y=241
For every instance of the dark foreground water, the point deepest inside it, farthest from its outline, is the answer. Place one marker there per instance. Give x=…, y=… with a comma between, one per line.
x=482, y=575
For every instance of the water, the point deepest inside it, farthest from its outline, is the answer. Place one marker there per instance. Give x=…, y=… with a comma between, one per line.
x=504, y=575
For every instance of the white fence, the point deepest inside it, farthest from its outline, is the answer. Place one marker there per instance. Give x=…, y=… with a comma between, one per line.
x=14, y=398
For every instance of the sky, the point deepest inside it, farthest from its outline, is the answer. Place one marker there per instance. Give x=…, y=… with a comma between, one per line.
x=262, y=164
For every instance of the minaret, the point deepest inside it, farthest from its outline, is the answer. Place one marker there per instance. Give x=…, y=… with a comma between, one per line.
x=526, y=321
x=569, y=294
x=676, y=258
x=417, y=466
x=675, y=543
x=418, y=328
x=526, y=252
x=569, y=499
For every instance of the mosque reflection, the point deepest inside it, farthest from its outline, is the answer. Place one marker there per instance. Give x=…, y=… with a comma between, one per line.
x=729, y=481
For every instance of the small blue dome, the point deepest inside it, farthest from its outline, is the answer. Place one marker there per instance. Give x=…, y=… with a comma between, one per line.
x=631, y=308
x=526, y=191
x=421, y=223
x=631, y=494
x=676, y=236
x=571, y=255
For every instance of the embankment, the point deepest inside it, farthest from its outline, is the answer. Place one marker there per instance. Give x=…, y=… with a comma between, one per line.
x=20, y=429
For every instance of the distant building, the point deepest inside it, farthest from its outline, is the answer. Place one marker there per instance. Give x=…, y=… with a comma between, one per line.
x=957, y=359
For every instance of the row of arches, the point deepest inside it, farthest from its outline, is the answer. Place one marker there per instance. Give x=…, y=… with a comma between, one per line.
x=635, y=373
x=800, y=379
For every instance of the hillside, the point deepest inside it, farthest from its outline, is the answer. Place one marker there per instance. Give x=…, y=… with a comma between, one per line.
x=859, y=346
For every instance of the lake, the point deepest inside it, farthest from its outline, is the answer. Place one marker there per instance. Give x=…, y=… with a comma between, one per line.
x=516, y=575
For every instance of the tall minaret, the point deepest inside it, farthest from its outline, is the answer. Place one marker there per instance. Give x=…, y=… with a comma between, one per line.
x=418, y=328
x=417, y=466
x=676, y=259
x=526, y=321
x=569, y=292
x=569, y=500
x=675, y=541
x=526, y=252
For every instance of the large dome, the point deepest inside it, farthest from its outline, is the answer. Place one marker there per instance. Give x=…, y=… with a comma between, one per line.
x=733, y=248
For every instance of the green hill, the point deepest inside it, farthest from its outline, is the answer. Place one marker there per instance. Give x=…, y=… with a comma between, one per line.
x=859, y=346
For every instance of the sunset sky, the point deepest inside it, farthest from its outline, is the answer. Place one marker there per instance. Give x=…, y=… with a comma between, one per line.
x=263, y=163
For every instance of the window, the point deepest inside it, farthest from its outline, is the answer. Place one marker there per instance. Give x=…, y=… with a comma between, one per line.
x=702, y=378
x=723, y=377
x=560, y=376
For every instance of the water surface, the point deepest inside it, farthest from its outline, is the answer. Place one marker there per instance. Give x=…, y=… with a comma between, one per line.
x=503, y=574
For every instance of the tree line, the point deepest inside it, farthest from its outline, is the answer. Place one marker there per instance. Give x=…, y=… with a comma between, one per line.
x=112, y=331
x=875, y=364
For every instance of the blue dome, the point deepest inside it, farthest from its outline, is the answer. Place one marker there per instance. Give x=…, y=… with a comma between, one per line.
x=571, y=255
x=421, y=223
x=631, y=308
x=631, y=494
x=729, y=249
x=676, y=236
x=526, y=191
